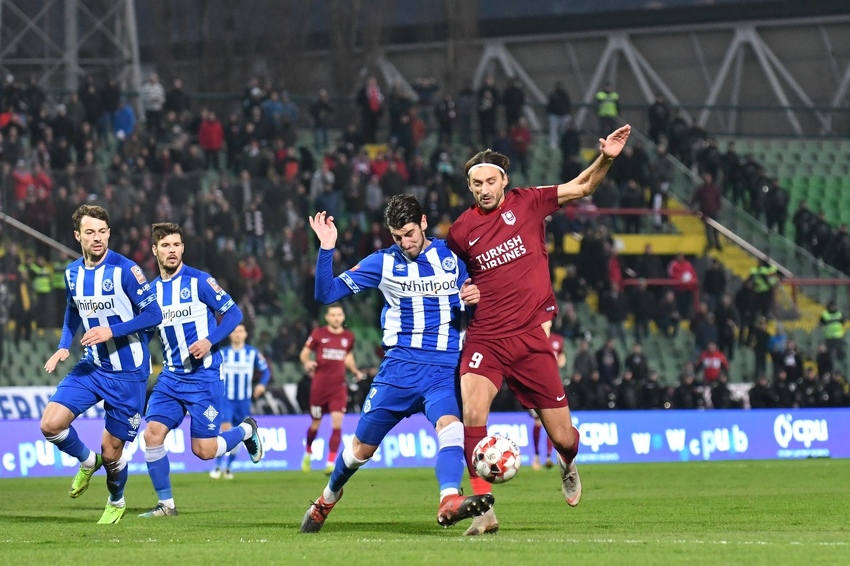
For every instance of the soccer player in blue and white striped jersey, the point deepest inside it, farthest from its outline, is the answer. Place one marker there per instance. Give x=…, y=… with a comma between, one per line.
x=239, y=363
x=426, y=289
x=109, y=296
x=191, y=377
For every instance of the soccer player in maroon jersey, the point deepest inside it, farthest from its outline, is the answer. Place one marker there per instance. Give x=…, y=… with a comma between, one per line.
x=501, y=239
x=332, y=345
x=557, y=342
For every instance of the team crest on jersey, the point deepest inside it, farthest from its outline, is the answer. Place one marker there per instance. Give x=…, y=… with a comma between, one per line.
x=71, y=286
x=211, y=413
x=344, y=342
x=449, y=263
x=107, y=285
x=214, y=285
x=509, y=217
x=185, y=293
x=137, y=273
x=135, y=421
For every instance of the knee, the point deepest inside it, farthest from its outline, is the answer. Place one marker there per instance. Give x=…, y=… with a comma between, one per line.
x=50, y=427
x=362, y=451
x=205, y=450
x=475, y=415
x=566, y=438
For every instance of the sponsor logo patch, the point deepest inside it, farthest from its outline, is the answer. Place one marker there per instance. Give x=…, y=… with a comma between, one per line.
x=137, y=272
x=214, y=285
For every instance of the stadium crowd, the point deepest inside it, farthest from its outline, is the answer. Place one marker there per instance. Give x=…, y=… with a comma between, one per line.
x=242, y=185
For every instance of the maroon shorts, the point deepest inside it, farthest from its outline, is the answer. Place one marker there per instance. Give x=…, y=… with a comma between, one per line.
x=525, y=361
x=325, y=400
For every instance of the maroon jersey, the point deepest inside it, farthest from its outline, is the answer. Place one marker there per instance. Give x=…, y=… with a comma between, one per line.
x=557, y=344
x=505, y=253
x=331, y=350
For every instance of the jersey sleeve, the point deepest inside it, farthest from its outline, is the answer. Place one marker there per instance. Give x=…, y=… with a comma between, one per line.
x=542, y=201
x=455, y=231
x=140, y=292
x=212, y=295
x=312, y=341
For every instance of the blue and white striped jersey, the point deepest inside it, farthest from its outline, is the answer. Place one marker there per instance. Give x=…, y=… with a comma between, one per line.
x=422, y=313
x=189, y=301
x=110, y=293
x=237, y=370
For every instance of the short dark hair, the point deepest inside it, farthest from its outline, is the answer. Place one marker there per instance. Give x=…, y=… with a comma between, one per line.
x=163, y=229
x=402, y=210
x=487, y=156
x=89, y=210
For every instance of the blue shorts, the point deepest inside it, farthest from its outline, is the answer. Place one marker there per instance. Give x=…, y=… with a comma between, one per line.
x=433, y=391
x=173, y=397
x=234, y=412
x=123, y=397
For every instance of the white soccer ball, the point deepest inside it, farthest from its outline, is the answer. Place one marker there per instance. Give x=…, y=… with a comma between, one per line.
x=496, y=458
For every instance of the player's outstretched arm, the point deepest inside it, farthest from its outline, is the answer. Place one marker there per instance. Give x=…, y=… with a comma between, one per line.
x=589, y=179
x=324, y=227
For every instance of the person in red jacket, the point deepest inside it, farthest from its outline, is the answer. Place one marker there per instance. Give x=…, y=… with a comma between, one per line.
x=210, y=137
x=707, y=200
x=684, y=273
x=712, y=362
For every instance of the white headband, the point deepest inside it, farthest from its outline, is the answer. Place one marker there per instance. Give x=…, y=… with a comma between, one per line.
x=485, y=165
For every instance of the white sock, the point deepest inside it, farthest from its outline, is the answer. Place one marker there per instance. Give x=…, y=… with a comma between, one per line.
x=448, y=491
x=247, y=430
x=221, y=448
x=90, y=461
x=330, y=496
x=119, y=503
x=168, y=502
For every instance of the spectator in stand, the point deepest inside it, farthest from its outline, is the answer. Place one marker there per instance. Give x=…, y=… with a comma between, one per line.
x=653, y=395
x=643, y=309
x=320, y=111
x=584, y=363
x=513, y=99
x=803, y=220
x=792, y=362
x=820, y=235
x=683, y=272
x=832, y=321
x=466, y=107
x=727, y=320
x=520, y=136
x=836, y=392
x=123, y=123
x=607, y=109
x=668, y=316
x=785, y=391
x=714, y=284
x=152, y=97
x=576, y=392
x=761, y=395
x=704, y=329
x=626, y=392
x=712, y=363
x=688, y=394
x=632, y=197
x=488, y=100
x=559, y=111
x=707, y=200
x=659, y=119
x=733, y=183
x=608, y=362
x=176, y=99
x=446, y=114
x=745, y=302
x=637, y=363
x=810, y=392
x=210, y=138
x=370, y=100
x=776, y=207
x=569, y=325
x=823, y=360
x=721, y=395
x=615, y=307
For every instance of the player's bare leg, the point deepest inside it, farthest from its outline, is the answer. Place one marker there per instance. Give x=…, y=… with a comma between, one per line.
x=116, y=478
x=565, y=439
x=477, y=393
x=56, y=428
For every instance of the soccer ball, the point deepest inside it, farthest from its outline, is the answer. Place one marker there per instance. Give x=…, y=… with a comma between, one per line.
x=496, y=458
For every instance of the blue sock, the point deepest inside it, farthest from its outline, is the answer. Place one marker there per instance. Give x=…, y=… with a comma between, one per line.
x=68, y=442
x=233, y=437
x=449, y=468
x=159, y=469
x=341, y=473
x=116, y=479
x=218, y=461
x=231, y=456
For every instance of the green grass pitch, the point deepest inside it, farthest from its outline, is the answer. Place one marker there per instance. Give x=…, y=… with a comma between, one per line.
x=756, y=512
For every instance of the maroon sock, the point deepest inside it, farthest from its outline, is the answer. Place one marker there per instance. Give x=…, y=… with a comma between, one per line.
x=535, y=435
x=549, y=447
x=570, y=455
x=311, y=436
x=472, y=435
x=333, y=444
